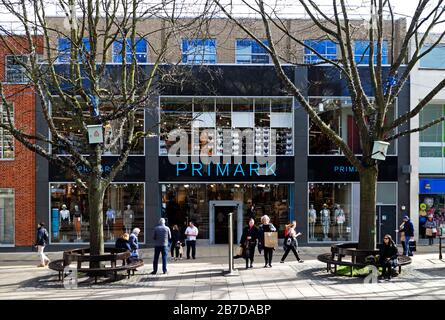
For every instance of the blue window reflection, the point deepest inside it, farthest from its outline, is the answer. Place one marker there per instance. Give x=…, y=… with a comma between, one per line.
x=249, y=51
x=435, y=59
x=326, y=48
x=196, y=51
x=140, y=50
x=361, y=52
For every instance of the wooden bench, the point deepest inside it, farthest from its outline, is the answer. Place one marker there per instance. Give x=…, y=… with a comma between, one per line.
x=358, y=258
x=81, y=256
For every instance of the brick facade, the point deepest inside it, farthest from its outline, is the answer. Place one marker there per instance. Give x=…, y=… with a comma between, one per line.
x=19, y=173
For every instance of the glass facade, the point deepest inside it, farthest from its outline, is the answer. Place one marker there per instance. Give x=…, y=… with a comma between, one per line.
x=226, y=126
x=15, y=71
x=64, y=50
x=432, y=140
x=196, y=51
x=6, y=139
x=361, y=52
x=326, y=48
x=140, y=51
x=184, y=202
x=337, y=112
x=249, y=51
x=431, y=204
x=123, y=210
x=7, y=218
x=435, y=59
x=65, y=122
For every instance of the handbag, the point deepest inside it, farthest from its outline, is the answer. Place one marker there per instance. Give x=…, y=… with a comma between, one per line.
x=270, y=239
x=434, y=230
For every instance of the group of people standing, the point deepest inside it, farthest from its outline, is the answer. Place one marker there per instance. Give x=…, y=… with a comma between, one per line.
x=252, y=236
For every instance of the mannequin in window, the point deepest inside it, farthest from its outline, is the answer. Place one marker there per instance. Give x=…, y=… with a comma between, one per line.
x=325, y=220
x=340, y=219
x=128, y=218
x=77, y=217
x=65, y=221
x=110, y=220
x=312, y=217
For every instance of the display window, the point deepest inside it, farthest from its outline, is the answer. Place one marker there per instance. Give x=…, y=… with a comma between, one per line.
x=7, y=217
x=431, y=204
x=123, y=210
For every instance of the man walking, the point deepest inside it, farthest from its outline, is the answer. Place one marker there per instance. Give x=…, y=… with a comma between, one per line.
x=408, y=228
x=191, y=233
x=161, y=236
x=41, y=241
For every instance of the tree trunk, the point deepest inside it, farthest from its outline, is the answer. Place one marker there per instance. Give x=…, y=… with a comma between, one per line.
x=368, y=191
x=96, y=191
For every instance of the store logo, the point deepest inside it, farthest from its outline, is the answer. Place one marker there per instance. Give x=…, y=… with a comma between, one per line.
x=345, y=169
x=85, y=169
x=253, y=169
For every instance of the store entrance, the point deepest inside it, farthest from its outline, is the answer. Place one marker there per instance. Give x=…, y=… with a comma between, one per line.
x=219, y=221
x=386, y=218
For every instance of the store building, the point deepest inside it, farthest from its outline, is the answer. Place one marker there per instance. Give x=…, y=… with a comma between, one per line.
x=427, y=177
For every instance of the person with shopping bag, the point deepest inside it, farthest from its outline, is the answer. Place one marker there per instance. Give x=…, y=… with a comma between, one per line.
x=268, y=240
x=408, y=229
x=430, y=229
x=248, y=242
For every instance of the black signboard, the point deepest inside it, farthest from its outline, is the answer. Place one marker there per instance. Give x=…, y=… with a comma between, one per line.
x=133, y=170
x=280, y=169
x=329, y=168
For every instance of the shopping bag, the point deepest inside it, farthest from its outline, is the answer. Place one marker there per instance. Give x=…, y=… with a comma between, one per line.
x=402, y=236
x=271, y=239
x=412, y=245
x=181, y=250
x=429, y=232
x=238, y=253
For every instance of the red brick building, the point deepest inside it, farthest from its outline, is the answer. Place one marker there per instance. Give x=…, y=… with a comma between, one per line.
x=17, y=164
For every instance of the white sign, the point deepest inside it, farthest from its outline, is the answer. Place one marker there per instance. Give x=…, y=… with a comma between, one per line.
x=95, y=134
x=379, y=150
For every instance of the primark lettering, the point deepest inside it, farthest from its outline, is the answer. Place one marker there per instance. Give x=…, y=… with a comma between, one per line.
x=251, y=169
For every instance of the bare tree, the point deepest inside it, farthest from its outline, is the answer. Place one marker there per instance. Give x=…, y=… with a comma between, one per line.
x=79, y=84
x=370, y=115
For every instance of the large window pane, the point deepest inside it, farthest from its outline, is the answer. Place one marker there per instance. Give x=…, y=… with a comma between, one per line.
x=330, y=212
x=15, y=71
x=140, y=51
x=123, y=210
x=362, y=51
x=435, y=59
x=427, y=115
x=7, y=219
x=6, y=139
x=249, y=51
x=196, y=51
x=326, y=48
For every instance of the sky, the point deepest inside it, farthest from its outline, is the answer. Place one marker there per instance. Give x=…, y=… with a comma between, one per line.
x=288, y=8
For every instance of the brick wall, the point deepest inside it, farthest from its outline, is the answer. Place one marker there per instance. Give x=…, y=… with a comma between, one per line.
x=19, y=173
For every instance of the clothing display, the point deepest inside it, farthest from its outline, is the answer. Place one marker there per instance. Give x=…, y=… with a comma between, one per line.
x=128, y=219
x=325, y=221
x=312, y=217
x=77, y=217
x=340, y=219
x=65, y=221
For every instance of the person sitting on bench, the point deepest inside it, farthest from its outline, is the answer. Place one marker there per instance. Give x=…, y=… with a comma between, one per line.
x=388, y=256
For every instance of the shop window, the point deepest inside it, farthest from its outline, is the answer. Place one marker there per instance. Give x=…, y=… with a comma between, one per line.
x=326, y=48
x=115, y=131
x=337, y=113
x=15, y=69
x=139, y=51
x=197, y=51
x=432, y=140
x=6, y=139
x=249, y=51
x=227, y=126
x=330, y=212
x=123, y=210
x=361, y=52
x=435, y=59
x=7, y=219
x=431, y=204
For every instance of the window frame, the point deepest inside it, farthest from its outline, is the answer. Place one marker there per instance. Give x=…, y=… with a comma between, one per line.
x=129, y=53
x=185, y=55
x=427, y=46
x=252, y=54
x=8, y=245
x=359, y=58
x=2, y=131
x=308, y=55
x=25, y=78
x=64, y=56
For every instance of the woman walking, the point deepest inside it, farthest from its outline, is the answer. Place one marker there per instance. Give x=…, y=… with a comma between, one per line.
x=248, y=242
x=41, y=241
x=266, y=226
x=291, y=243
x=176, y=242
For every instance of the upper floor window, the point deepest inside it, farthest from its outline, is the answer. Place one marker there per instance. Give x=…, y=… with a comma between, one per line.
x=435, y=59
x=15, y=71
x=64, y=50
x=196, y=51
x=326, y=48
x=140, y=51
x=250, y=51
x=361, y=52
x=6, y=139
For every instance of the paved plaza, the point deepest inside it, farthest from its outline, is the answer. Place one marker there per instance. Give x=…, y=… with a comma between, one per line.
x=203, y=279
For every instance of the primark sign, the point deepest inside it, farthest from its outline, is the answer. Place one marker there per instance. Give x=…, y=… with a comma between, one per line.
x=234, y=156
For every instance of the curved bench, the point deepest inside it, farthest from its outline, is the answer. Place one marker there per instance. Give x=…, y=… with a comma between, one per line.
x=80, y=256
x=359, y=258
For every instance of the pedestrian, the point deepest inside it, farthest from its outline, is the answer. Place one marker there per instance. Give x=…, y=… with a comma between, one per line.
x=123, y=242
x=291, y=243
x=176, y=242
x=248, y=242
x=266, y=226
x=133, y=240
x=161, y=236
x=191, y=233
x=42, y=239
x=388, y=256
x=408, y=229
x=402, y=235
x=430, y=229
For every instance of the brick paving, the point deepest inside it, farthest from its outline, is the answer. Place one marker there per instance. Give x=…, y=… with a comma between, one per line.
x=203, y=279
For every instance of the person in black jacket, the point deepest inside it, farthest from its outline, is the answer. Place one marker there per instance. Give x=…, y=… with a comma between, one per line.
x=176, y=242
x=123, y=243
x=408, y=229
x=268, y=252
x=248, y=242
x=42, y=239
x=388, y=256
